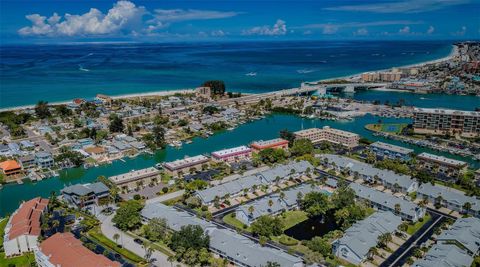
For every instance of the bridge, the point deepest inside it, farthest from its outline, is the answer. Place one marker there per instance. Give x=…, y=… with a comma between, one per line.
x=323, y=88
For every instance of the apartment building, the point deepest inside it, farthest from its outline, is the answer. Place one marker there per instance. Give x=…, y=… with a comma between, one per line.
x=184, y=166
x=277, y=143
x=235, y=154
x=385, y=150
x=331, y=135
x=442, y=166
x=135, y=179
x=440, y=121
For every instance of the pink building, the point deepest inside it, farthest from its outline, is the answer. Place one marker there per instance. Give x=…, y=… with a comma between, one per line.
x=233, y=154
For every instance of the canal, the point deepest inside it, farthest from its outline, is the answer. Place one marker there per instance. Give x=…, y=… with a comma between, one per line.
x=13, y=194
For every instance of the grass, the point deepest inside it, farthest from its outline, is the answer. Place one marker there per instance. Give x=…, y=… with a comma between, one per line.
x=160, y=246
x=3, y=223
x=97, y=236
x=412, y=228
x=25, y=260
x=452, y=185
x=292, y=218
x=230, y=220
x=394, y=128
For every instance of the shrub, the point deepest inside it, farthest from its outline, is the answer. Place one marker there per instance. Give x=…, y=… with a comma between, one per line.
x=165, y=190
x=287, y=241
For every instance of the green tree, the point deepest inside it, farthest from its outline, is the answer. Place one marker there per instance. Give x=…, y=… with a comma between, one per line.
x=267, y=226
x=320, y=245
x=189, y=236
x=127, y=216
x=41, y=109
x=116, y=124
x=315, y=204
x=301, y=147
x=287, y=135
x=217, y=87
x=156, y=229
x=159, y=136
x=343, y=196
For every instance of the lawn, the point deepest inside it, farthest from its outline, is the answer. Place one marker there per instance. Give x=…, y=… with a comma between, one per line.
x=97, y=236
x=412, y=228
x=292, y=218
x=231, y=220
x=3, y=223
x=394, y=128
x=25, y=260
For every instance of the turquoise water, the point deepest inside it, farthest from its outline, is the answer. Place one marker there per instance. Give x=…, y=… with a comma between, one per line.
x=29, y=73
x=12, y=195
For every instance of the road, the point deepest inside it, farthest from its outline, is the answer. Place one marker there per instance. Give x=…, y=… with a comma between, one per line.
x=108, y=229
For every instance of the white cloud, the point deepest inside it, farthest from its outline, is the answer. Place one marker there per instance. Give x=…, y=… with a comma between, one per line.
x=218, y=33
x=175, y=15
x=404, y=30
x=359, y=24
x=409, y=6
x=279, y=28
x=124, y=16
x=329, y=28
x=361, y=32
x=430, y=30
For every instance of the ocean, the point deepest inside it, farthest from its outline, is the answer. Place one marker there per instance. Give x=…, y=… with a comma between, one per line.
x=29, y=73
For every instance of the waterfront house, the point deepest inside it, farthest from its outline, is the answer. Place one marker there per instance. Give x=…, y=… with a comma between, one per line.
x=24, y=227
x=355, y=244
x=10, y=167
x=384, y=201
x=370, y=174
x=237, y=249
x=84, y=142
x=44, y=160
x=27, y=162
x=444, y=255
x=235, y=154
x=136, y=179
x=84, y=195
x=444, y=168
x=96, y=152
x=5, y=150
x=449, y=198
x=277, y=143
x=185, y=165
x=384, y=150
x=465, y=233
x=64, y=249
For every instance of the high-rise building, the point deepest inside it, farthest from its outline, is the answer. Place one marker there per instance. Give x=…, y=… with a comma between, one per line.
x=441, y=121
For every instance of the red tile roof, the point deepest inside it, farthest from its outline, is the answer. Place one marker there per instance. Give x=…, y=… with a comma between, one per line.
x=26, y=220
x=9, y=165
x=65, y=250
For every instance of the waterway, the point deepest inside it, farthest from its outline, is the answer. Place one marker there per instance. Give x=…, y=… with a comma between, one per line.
x=13, y=194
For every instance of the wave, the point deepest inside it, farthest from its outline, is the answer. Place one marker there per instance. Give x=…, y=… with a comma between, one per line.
x=305, y=71
x=80, y=67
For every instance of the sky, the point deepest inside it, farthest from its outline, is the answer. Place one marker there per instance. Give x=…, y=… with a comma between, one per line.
x=60, y=21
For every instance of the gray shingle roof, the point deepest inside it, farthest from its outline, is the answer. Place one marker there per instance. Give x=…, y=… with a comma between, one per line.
x=465, y=231
x=364, y=234
x=390, y=177
x=384, y=199
x=448, y=194
x=229, y=243
x=442, y=255
x=85, y=189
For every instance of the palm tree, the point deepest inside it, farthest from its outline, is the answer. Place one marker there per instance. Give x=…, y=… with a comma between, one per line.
x=466, y=207
x=398, y=208
x=373, y=251
x=270, y=203
x=116, y=236
x=251, y=209
x=282, y=195
x=171, y=259
x=383, y=239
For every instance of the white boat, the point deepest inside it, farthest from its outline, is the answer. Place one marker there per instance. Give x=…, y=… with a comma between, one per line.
x=251, y=74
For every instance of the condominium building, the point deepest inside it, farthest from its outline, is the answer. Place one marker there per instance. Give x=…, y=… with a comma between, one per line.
x=24, y=227
x=135, y=179
x=442, y=166
x=355, y=244
x=236, y=248
x=331, y=135
x=184, y=166
x=385, y=150
x=277, y=143
x=63, y=249
x=388, y=76
x=233, y=154
x=441, y=121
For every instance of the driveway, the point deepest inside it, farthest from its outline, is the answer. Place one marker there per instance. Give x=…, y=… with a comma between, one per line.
x=165, y=197
x=108, y=229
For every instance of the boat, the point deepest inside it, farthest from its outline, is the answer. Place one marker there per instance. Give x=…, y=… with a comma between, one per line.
x=158, y=166
x=188, y=142
x=251, y=74
x=230, y=129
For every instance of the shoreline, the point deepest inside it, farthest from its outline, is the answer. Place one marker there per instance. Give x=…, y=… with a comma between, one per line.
x=453, y=52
